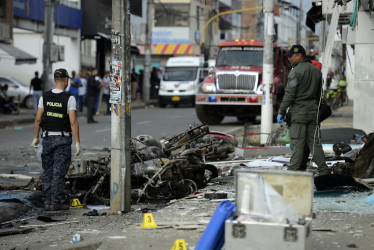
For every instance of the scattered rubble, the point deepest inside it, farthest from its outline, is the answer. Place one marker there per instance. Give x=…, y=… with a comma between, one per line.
x=168, y=169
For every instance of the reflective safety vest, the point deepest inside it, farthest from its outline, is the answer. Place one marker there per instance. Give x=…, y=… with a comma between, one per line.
x=55, y=117
x=342, y=83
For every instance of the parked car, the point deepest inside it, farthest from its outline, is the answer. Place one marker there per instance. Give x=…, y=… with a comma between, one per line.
x=19, y=91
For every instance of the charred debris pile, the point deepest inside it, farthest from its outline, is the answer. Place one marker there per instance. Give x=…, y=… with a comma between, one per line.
x=167, y=169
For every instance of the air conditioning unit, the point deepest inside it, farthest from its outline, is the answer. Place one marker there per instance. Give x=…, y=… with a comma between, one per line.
x=54, y=53
x=61, y=53
x=4, y=32
x=327, y=7
x=367, y=5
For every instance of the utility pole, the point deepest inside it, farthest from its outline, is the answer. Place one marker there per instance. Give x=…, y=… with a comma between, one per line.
x=120, y=175
x=49, y=10
x=212, y=13
x=147, y=52
x=298, y=28
x=267, y=72
x=322, y=38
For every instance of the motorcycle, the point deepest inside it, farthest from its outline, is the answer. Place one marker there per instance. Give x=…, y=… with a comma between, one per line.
x=167, y=169
x=336, y=98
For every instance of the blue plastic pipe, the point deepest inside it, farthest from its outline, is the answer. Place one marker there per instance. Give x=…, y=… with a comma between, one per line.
x=213, y=237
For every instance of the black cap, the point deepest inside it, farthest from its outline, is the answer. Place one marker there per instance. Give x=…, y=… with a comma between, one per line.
x=61, y=73
x=296, y=49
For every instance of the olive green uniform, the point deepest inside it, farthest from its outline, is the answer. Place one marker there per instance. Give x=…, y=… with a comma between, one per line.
x=302, y=96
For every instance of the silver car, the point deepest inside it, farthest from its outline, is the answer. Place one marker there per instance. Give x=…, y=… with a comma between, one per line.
x=19, y=91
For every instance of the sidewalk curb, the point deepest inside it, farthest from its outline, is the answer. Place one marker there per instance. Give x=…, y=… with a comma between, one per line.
x=12, y=123
x=28, y=117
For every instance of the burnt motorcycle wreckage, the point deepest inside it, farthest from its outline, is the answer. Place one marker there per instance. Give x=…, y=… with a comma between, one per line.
x=168, y=169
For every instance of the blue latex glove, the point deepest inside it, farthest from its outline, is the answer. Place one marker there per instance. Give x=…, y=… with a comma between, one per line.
x=280, y=119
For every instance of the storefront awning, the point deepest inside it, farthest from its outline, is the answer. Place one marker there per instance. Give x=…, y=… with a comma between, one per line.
x=169, y=49
x=20, y=55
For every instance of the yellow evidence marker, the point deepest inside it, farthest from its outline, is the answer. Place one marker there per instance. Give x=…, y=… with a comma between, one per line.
x=76, y=204
x=148, y=221
x=179, y=244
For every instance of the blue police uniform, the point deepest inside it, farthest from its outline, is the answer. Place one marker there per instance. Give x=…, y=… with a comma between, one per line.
x=56, y=154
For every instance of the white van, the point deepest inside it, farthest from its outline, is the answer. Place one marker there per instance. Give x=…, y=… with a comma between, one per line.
x=180, y=80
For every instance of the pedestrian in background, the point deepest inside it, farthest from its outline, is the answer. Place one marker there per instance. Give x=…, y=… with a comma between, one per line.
x=93, y=89
x=160, y=73
x=106, y=91
x=82, y=91
x=6, y=102
x=58, y=119
x=302, y=97
x=155, y=84
x=134, y=84
x=99, y=96
x=67, y=90
x=36, y=86
x=75, y=85
x=140, y=84
x=329, y=78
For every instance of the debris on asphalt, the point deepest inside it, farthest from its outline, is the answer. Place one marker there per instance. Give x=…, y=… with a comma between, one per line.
x=46, y=218
x=25, y=198
x=15, y=231
x=331, y=181
x=215, y=196
x=351, y=201
x=171, y=168
x=15, y=181
x=92, y=213
x=370, y=199
x=76, y=238
x=49, y=225
x=352, y=245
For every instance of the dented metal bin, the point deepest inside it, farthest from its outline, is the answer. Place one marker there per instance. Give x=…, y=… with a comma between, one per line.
x=266, y=226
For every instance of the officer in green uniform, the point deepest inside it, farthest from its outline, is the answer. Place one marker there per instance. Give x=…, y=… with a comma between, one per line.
x=302, y=96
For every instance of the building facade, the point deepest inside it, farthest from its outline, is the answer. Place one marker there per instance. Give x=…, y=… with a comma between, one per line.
x=28, y=36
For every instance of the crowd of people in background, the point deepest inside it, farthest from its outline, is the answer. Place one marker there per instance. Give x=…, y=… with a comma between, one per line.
x=335, y=80
x=89, y=90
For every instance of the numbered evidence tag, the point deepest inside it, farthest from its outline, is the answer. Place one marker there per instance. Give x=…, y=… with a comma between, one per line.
x=179, y=244
x=148, y=221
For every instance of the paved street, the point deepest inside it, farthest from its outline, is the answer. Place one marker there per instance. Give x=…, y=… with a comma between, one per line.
x=333, y=228
x=190, y=61
x=154, y=121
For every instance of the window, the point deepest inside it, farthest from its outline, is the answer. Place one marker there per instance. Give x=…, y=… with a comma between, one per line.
x=5, y=81
x=198, y=18
x=241, y=56
x=2, y=9
x=171, y=15
x=180, y=74
x=136, y=7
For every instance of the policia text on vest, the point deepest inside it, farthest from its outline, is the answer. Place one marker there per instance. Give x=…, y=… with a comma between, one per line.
x=54, y=104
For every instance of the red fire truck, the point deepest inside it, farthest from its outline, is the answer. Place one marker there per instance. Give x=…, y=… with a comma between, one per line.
x=234, y=87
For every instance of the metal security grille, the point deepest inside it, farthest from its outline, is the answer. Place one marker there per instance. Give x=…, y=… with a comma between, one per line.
x=235, y=81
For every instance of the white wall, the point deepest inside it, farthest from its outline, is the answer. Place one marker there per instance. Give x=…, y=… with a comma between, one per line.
x=363, y=101
x=72, y=54
x=364, y=73
x=350, y=72
x=287, y=25
x=364, y=87
x=138, y=25
x=32, y=43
